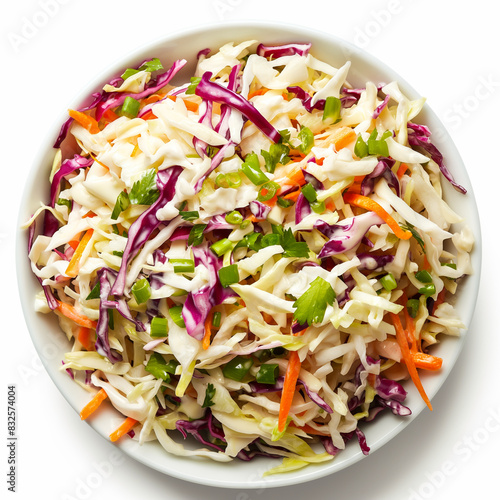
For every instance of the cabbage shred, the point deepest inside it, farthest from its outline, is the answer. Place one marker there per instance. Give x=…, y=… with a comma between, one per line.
x=224, y=198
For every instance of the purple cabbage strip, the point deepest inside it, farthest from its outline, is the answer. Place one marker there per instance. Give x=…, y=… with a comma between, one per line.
x=302, y=208
x=51, y=300
x=290, y=49
x=194, y=428
x=67, y=167
x=259, y=209
x=383, y=169
x=309, y=178
x=380, y=107
x=213, y=91
x=346, y=101
x=199, y=303
x=102, y=342
x=222, y=126
x=218, y=222
x=374, y=262
x=419, y=137
x=347, y=234
x=142, y=228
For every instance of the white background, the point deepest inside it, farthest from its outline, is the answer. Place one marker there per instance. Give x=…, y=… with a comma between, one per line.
x=51, y=49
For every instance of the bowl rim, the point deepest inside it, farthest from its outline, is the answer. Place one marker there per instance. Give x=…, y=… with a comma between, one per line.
x=24, y=272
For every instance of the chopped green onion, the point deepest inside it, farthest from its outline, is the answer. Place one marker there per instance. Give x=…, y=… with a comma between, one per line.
x=413, y=305
x=233, y=179
x=95, y=293
x=117, y=253
x=141, y=291
x=360, y=148
x=284, y=203
x=209, y=395
x=156, y=365
x=251, y=168
x=159, y=327
x=216, y=319
x=130, y=107
x=229, y=275
x=221, y=247
x=267, y=374
x=189, y=215
x=64, y=202
x=176, y=315
x=237, y=368
x=428, y=289
x=423, y=276
x=183, y=265
x=195, y=237
x=450, y=264
x=221, y=181
x=307, y=138
x=195, y=80
x=152, y=65
x=388, y=282
x=234, y=217
x=268, y=191
x=309, y=192
x=122, y=203
x=377, y=146
x=318, y=207
x=111, y=319
x=333, y=105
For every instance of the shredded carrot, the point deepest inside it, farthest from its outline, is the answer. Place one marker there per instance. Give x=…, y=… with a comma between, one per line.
x=123, y=429
x=293, y=196
x=260, y=91
x=149, y=115
x=408, y=358
x=319, y=161
x=372, y=205
x=153, y=98
x=208, y=330
x=73, y=243
x=87, y=122
x=109, y=115
x=296, y=152
x=289, y=385
x=70, y=312
x=74, y=263
x=93, y=404
x=83, y=337
x=426, y=265
x=293, y=177
x=190, y=105
x=427, y=361
x=342, y=137
x=402, y=170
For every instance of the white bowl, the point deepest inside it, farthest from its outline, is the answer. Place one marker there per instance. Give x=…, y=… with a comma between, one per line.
x=51, y=343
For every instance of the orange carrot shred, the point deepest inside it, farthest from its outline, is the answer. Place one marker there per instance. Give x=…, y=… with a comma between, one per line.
x=87, y=122
x=123, y=429
x=93, y=404
x=83, y=337
x=289, y=385
x=402, y=170
x=208, y=330
x=70, y=312
x=369, y=204
x=408, y=358
x=427, y=361
x=74, y=263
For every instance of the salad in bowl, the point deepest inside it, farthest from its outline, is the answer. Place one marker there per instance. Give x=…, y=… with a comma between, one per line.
x=256, y=254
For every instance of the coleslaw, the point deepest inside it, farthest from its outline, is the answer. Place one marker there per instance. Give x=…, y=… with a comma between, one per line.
x=257, y=257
